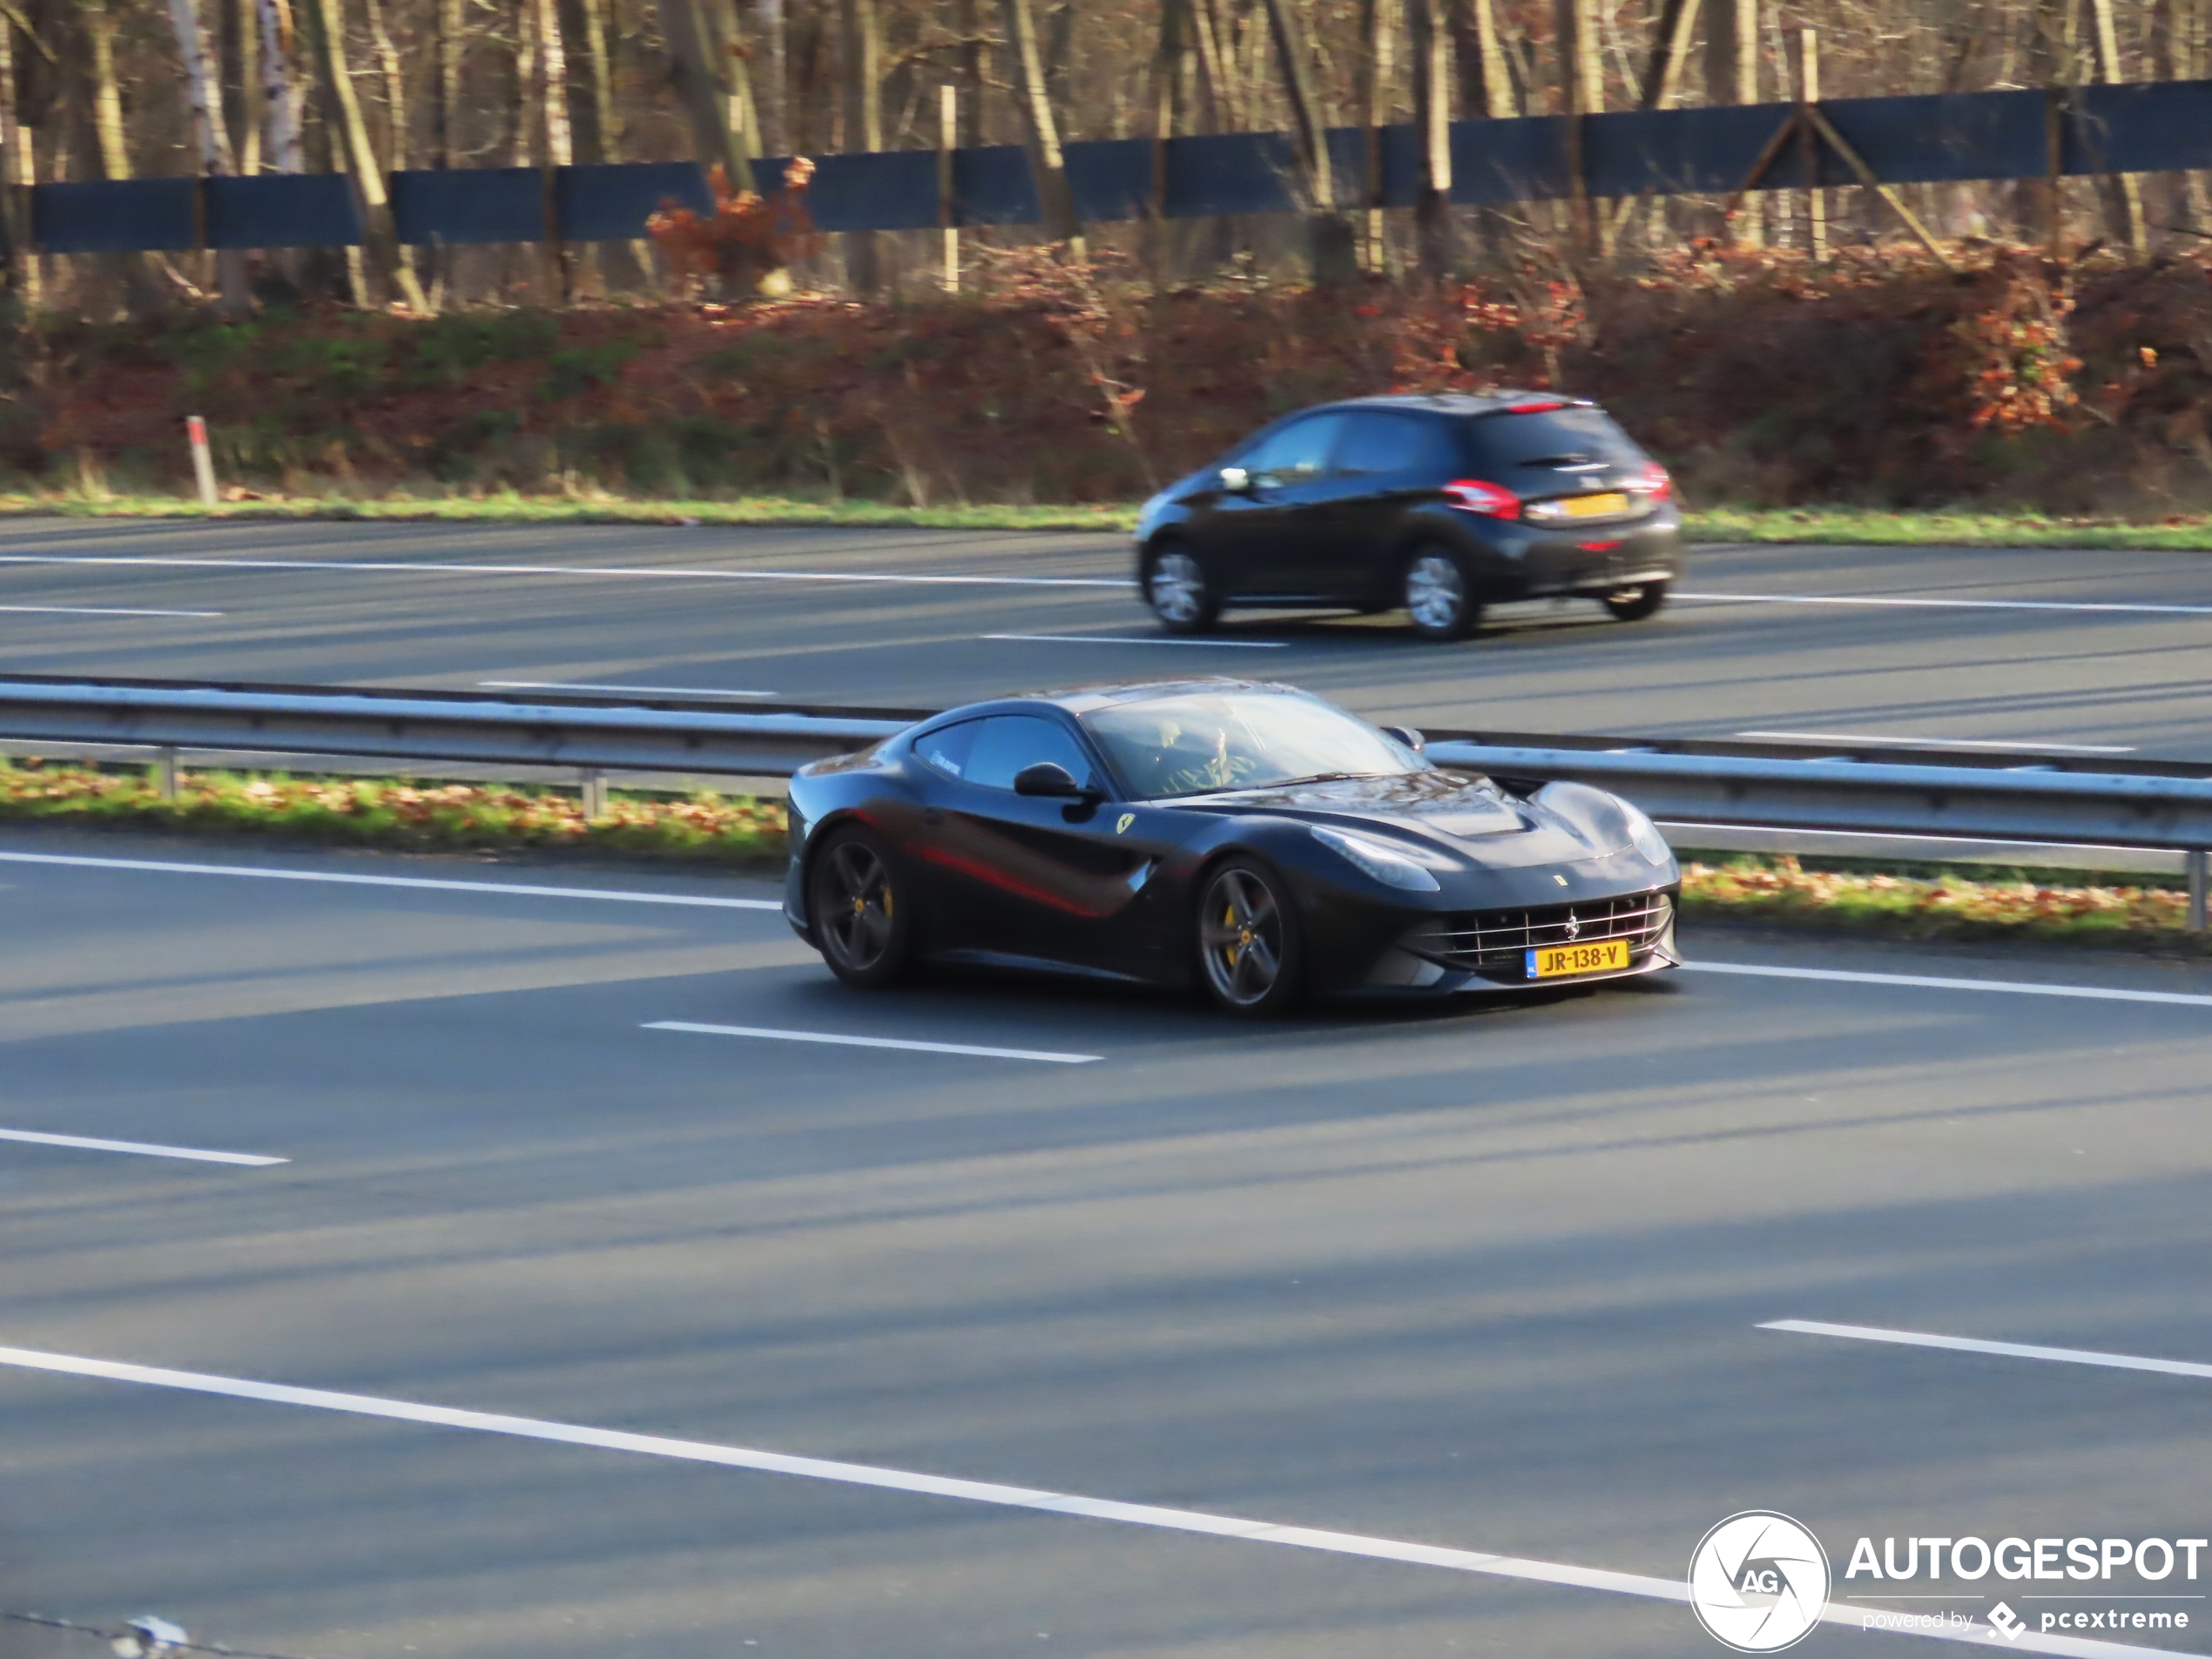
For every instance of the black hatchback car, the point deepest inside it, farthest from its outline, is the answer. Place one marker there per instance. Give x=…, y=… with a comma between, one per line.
x=1440, y=505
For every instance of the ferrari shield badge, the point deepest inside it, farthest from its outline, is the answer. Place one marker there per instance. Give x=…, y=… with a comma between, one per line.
x=1122, y=824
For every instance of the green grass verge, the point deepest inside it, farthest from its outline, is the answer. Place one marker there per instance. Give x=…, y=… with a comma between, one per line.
x=1834, y=526
x=554, y=510
x=1987, y=906
x=399, y=813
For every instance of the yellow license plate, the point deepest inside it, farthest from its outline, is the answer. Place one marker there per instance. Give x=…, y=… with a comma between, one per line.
x=1594, y=506
x=1556, y=962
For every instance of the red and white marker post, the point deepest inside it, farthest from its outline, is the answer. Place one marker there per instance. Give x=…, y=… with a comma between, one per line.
x=203, y=463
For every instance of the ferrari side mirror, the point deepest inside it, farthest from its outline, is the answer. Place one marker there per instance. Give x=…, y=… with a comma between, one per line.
x=1049, y=777
x=1236, y=480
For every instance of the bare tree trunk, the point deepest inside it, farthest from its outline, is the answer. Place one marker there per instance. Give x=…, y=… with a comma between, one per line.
x=862, y=60
x=1432, y=53
x=1581, y=89
x=967, y=23
x=606, y=115
x=280, y=86
x=210, y=137
x=401, y=151
x=241, y=78
x=445, y=140
x=2124, y=192
x=378, y=232
x=2185, y=61
x=560, y=143
x=1732, y=77
x=771, y=85
x=703, y=69
x=1377, y=37
x=1486, y=82
x=522, y=130
x=17, y=169
x=1329, y=232
x=1047, y=165
x=1168, y=64
x=1670, y=52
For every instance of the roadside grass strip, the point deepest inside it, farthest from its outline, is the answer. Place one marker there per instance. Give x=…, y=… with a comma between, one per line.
x=2001, y=1350
x=772, y=1034
x=1233, y=1527
x=139, y=1149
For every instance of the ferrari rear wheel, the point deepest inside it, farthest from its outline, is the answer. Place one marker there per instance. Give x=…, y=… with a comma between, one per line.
x=863, y=922
x=1248, y=943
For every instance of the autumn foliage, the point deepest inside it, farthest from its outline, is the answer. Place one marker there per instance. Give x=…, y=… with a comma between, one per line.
x=1879, y=377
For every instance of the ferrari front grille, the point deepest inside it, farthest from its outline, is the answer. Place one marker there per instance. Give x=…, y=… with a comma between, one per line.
x=1490, y=941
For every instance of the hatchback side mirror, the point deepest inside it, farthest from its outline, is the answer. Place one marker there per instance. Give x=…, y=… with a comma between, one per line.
x=1236, y=480
x=1406, y=735
x=1049, y=779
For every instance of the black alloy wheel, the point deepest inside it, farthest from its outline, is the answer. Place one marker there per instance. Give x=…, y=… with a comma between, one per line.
x=1439, y=595
x=862, y=922
x=1177, y=588
x=1248, y=943
x=1634, y=604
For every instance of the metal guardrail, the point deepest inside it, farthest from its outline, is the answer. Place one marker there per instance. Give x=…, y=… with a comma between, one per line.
x=2019, y=800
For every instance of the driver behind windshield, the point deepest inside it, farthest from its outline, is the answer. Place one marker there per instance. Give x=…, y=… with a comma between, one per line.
x=1195, y=746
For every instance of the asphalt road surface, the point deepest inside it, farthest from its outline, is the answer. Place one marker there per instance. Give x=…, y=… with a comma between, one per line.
x=2105, y=650
x=1490, y=1278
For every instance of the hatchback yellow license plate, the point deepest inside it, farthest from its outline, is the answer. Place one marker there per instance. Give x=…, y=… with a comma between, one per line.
x=1595, y=506
x=1560, y=961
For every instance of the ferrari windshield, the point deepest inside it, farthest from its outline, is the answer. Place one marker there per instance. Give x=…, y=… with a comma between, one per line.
x=1213, y=741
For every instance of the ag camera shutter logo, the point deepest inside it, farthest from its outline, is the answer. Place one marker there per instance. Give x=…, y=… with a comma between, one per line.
x=1758, y=1581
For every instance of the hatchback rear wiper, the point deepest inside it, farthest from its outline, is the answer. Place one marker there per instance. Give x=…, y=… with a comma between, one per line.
x=1571, y=459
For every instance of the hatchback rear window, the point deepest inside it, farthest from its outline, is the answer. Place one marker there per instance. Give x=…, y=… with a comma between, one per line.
x=1548, y=437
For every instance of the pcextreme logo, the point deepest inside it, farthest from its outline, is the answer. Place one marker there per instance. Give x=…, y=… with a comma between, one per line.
x=1758, y=1581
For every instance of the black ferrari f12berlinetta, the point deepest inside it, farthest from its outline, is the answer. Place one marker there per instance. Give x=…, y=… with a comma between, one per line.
x=1250, y=838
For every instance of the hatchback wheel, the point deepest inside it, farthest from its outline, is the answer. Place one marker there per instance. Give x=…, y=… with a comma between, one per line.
x=1248, y=943
x=1175, y=586
x=1634, y=604
x=863, y=923
x=1438, y=596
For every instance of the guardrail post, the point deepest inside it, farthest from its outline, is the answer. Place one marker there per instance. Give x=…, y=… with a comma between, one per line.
x=595, y=794
x=164, y=773
x=2196, y=866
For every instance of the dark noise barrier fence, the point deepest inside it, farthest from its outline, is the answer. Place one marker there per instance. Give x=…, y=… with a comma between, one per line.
x=2129, y=127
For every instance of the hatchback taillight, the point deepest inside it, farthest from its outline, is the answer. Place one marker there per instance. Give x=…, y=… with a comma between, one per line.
x=1654, y=482
x=1477, y=496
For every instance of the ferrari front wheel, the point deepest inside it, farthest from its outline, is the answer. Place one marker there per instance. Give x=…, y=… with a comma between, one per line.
x=863, y=922
x=1248, y=943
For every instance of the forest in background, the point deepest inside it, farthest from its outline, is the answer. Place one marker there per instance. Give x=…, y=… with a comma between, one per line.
x=2042, y=345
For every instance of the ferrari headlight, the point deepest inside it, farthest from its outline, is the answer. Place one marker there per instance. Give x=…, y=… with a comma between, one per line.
x=1388, y=865
x=1644, y=836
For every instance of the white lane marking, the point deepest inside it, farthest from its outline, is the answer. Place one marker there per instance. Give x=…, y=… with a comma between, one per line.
x=444, y=567
x=1950, y=742
x=642, y=691
x=611, y=895
x=1236, y=1527
x=1142, y=639
x=1932, y=982
x=2003, y=1350
x=98, y=611
x=1944, y=604
x=84, y=1144
x=773, y=1034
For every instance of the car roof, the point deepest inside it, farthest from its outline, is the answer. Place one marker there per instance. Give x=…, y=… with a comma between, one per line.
x=1085, y=699
x=1450, y=403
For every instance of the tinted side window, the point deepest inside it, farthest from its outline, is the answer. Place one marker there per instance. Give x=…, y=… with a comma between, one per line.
x=947, y=749
x=1006, y=743
x=1298, y=454
x=1378, y=442
x=1550, y=436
